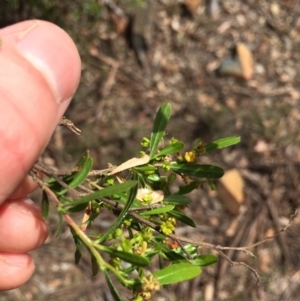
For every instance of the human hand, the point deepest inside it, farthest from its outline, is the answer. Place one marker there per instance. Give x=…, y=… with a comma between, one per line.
x=39, y=73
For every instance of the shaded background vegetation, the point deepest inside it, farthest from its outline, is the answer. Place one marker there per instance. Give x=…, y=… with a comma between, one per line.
x=114, y=107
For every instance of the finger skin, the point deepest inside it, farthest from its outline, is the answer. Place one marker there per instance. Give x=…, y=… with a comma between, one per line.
x=40, y=71
x=27, y=186
x=33, y=97
x=22, y=228
x=15, y=270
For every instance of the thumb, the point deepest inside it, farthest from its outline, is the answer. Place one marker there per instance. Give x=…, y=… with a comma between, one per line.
x=40, y=71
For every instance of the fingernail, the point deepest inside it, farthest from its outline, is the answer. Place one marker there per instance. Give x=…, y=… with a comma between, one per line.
x=49, y=51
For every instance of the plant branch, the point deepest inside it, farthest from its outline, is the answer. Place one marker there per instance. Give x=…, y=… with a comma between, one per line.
x=132, y=213
x=90, y=245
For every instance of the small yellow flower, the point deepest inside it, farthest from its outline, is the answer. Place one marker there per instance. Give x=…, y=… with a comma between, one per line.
x=190, y=157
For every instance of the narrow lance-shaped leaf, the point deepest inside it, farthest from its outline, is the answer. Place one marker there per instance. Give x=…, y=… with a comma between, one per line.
x=221, y=143
x=85, y=165
x=178, y=200
x=77, y=256
x=128, y=257
x=182, y=217
x=123, y=213
x=112, y=288
x=160, y=210
x=60, y=222
x=78, y=244
x=122, y=199
x=95, y=267
x=146, y=168
x=171, y=149
x=45, y=205
x=177, y=272
x=159, y=126
x=105, y=192
x=198, y=170
x=204, y=260
x=78, y=252
x=187, y=188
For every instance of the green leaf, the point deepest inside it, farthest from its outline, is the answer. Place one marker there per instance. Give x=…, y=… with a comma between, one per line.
x=123, y=213
x=187, y=188
x=204, y=260
x=160, y=210
x=171, y=149
x=85, y=165
x=154, y=178
x=112, y=288
x=65, y=199
x=60, y=222
x=54, y=185
x=198, y=170
x=78, y=244
x=105, y=192
x=183, y=218
x=95, y=266
x=177, y=272
x=77, y=256
x=221, y=143
x=146, y=168
x=128, y=257
x=173, y=256
x=176, y=199
x=122, y=199
x=159, y=126
x=45, y=205
x=77, y=208
x=211, y=184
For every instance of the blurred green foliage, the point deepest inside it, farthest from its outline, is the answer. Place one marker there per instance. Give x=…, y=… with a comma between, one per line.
x=55, y=11
x=59, y=12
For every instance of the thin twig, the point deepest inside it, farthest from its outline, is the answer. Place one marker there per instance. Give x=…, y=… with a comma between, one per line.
x=70, y=125
x=49, y=171
x=235, y=263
